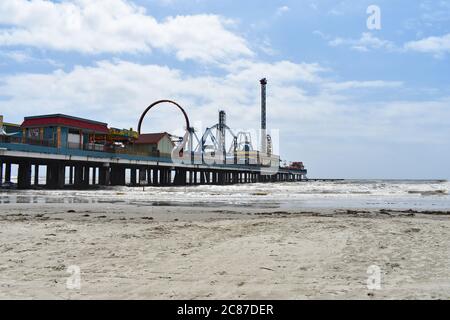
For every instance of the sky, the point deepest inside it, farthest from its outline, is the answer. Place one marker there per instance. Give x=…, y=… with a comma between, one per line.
x=356, y=89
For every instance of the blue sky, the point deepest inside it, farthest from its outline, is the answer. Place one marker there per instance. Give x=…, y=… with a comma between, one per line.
x=348, y=101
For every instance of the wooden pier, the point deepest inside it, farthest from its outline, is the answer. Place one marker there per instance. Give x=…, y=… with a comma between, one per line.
x=82, y=169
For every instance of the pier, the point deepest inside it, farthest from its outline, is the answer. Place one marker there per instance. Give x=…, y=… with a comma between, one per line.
x=80, y=153
x=81, y=169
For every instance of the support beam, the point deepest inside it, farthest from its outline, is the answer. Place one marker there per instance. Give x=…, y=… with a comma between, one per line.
x=78, y=175
x=61, y=175
x=8, y=172
x=36, y=175
x=71, y=168
x=24, y=176
x=86, y=175
x=94, y=176
x=180, y=177
x=142, y=175
x=50, y=176
x=164, y=177
x=117, y=176
x=56, y=176
x=133, y=176
x=155, y=177
x=202, y=177
x=104, y=176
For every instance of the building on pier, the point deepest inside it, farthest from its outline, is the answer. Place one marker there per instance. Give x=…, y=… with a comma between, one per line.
x=64, y=131
x=156, y=144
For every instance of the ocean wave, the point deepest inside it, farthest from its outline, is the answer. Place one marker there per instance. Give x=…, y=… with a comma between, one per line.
x=361, y=192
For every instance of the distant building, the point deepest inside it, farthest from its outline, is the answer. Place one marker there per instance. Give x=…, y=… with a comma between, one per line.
x=157, y=144
x=63, y=131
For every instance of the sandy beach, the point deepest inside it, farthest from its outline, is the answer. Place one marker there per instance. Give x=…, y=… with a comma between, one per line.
x=158, y=252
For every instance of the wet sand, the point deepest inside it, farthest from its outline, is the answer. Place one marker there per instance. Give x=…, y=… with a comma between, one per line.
x=148, y=252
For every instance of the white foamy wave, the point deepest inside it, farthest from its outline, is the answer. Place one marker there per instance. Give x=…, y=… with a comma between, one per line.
x=349, y=193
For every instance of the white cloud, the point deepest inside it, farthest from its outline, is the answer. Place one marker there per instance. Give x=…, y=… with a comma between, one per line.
x=366, y=42
x=17, y=56
x=335, y=12
x=117, y=92
x=24, y=56
x=347, y=85
x=282, y=10
x=266, y=46
x=317, y=125
x=245, y=71
x=117, y=26
x=437, y=46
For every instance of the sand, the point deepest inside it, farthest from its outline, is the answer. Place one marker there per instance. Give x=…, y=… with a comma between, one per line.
x=141, y=252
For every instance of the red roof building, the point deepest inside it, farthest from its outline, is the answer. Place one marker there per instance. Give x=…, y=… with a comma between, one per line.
x=62, y=120
x=63, y=131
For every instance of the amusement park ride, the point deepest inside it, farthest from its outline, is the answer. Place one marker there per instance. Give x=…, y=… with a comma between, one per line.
x=211, y=146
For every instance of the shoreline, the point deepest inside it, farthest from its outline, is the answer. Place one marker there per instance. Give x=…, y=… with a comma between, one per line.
x=167, y=213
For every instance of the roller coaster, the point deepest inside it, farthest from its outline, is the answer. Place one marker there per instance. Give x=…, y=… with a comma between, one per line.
x=211, y=146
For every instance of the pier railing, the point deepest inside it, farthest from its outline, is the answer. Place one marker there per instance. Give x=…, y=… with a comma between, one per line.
x=26, y=140
x=51, y=143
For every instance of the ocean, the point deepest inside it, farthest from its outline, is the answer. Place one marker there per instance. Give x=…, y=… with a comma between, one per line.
x=391, y=194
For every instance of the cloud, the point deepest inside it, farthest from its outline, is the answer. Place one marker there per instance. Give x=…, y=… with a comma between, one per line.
x=282, y=10
x=117, y=91
x=365, y=43
x=347, y=85
x=319, y=121
x=437, y=46
x=300, y=102
x=335, y=12
x=117, y=26
x=24, y=56
x=17, y=56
